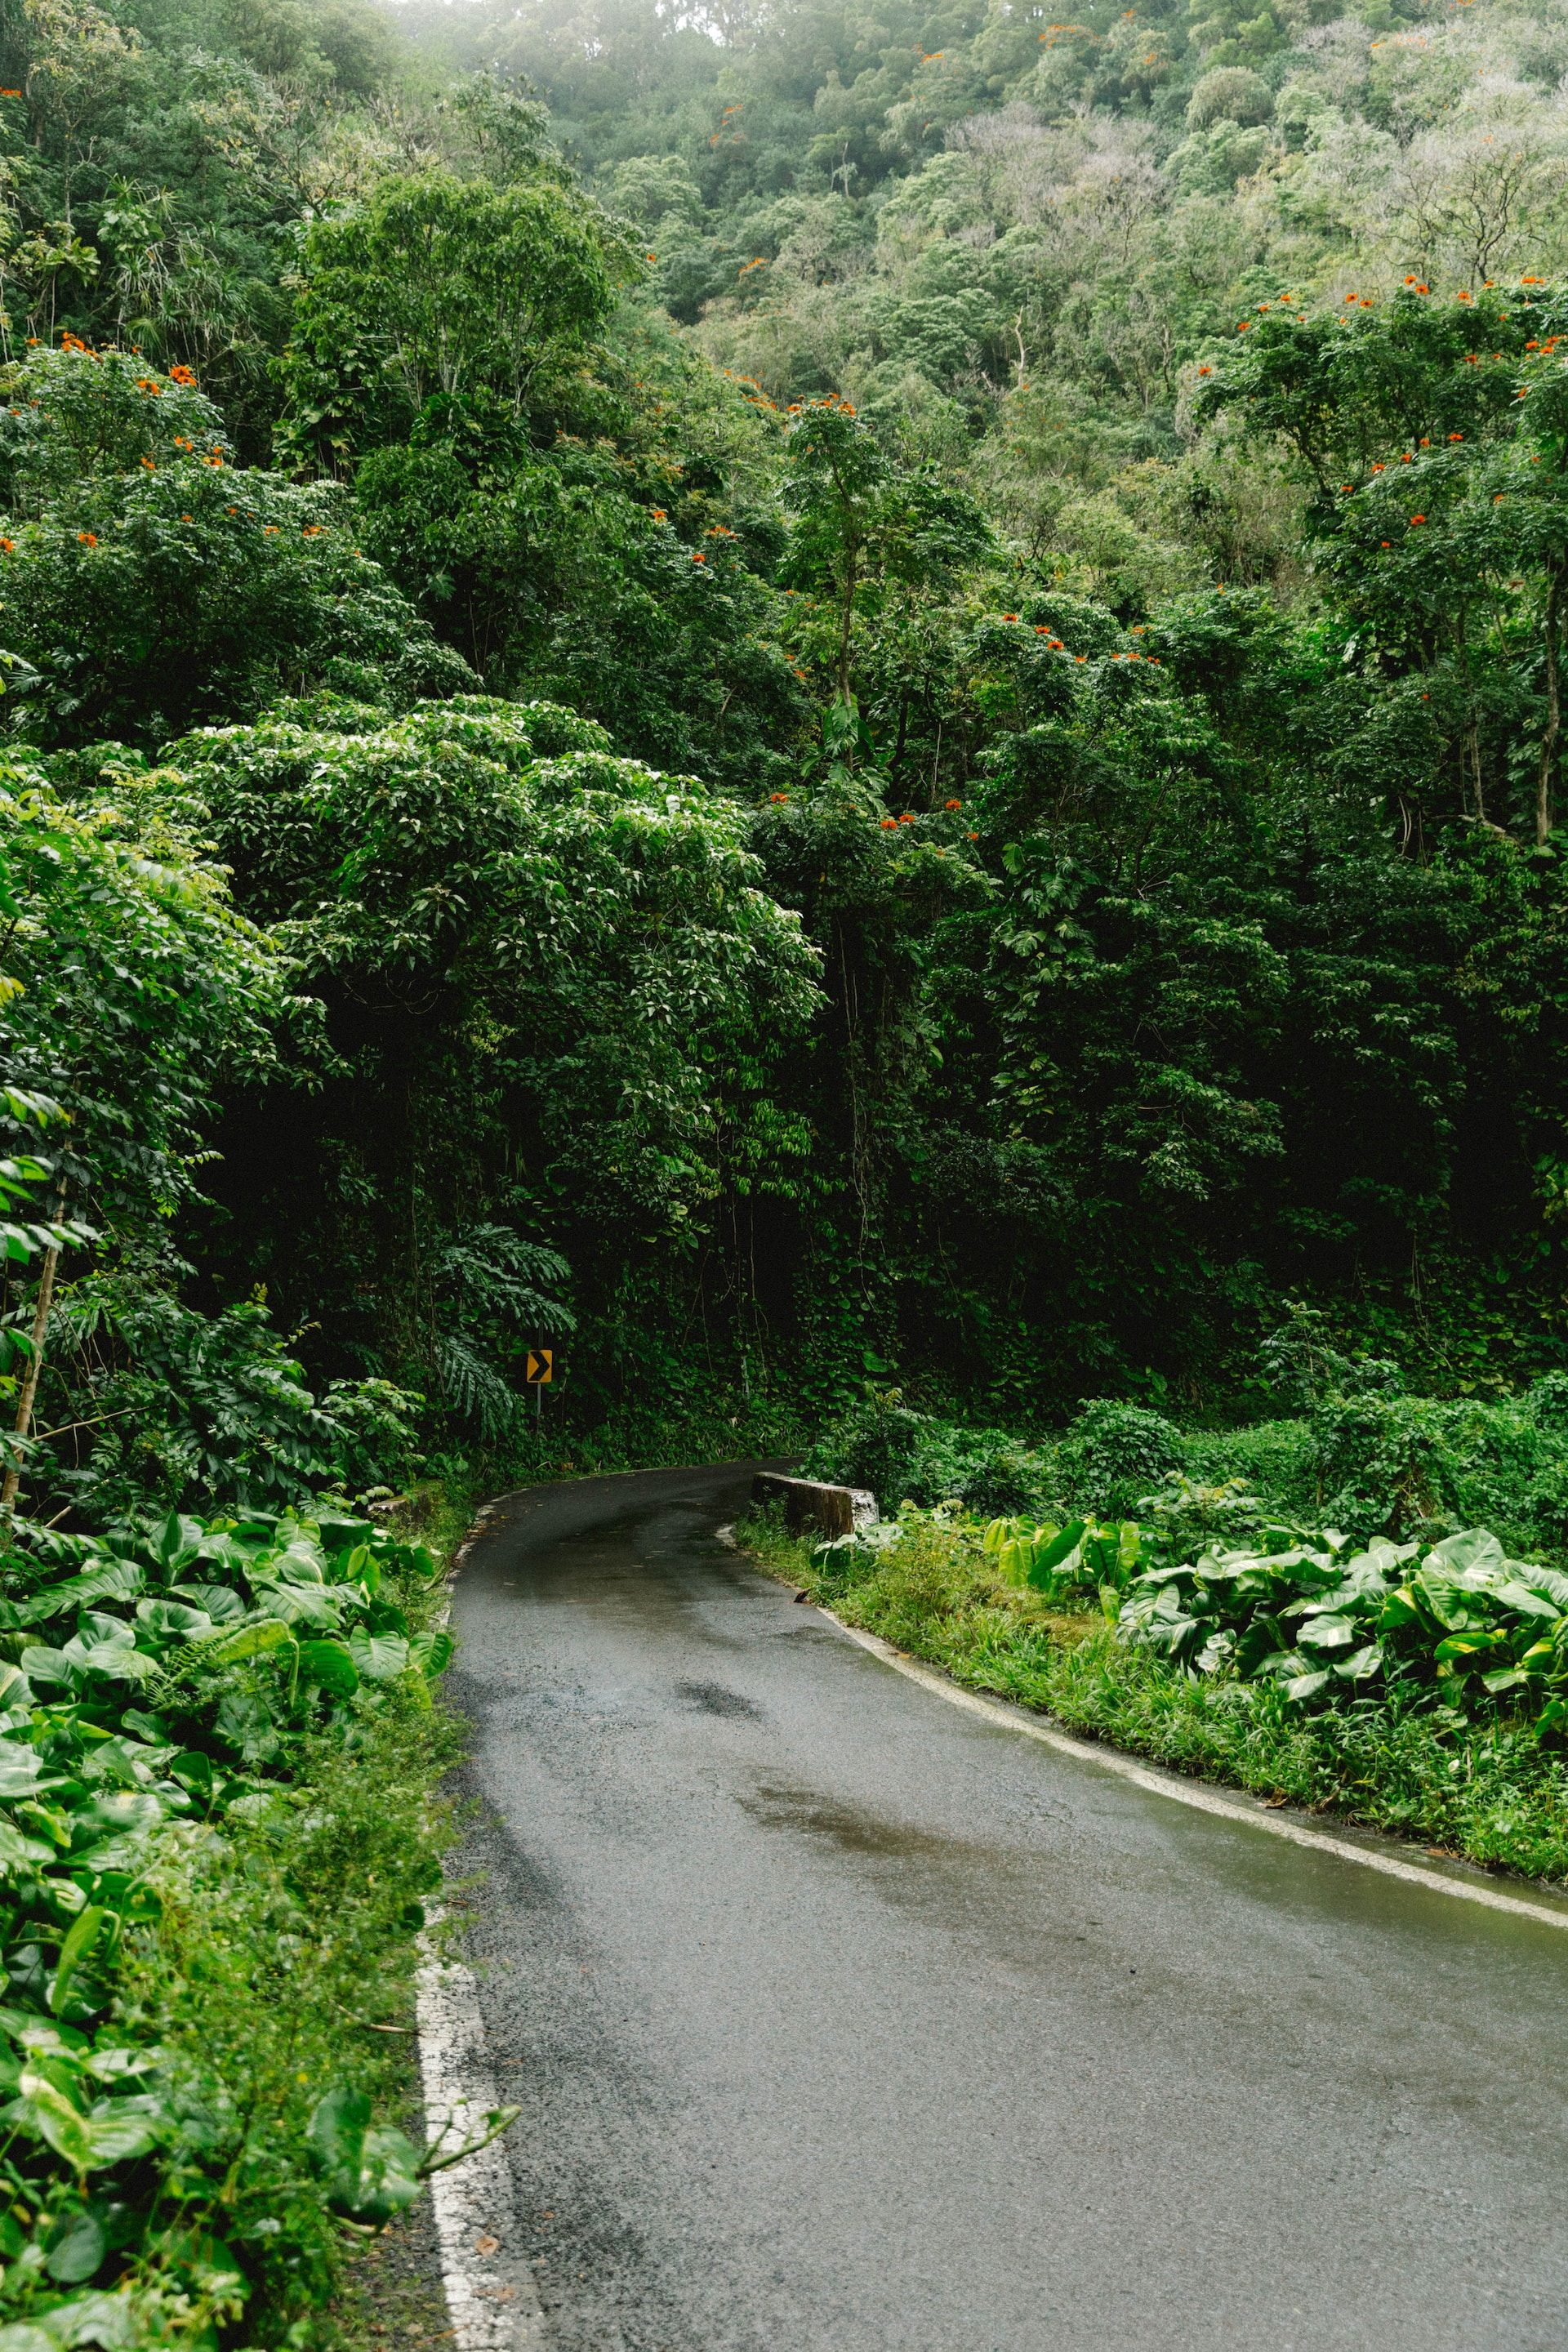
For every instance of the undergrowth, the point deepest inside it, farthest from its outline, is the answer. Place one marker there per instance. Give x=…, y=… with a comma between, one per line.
x=1487, y=1792
x=239, y=1979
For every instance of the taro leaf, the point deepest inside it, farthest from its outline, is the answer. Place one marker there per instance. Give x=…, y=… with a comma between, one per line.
x=1363, y=1664
x=20, y=1769
x=116, y=1661
x=174, y=1617
x=21, y=2337
x=1309, y=1685
x=85, y=1931
x=1528, y=1603
x=380, y=1657
x=75, y=2248
x=362, y=1568
x=1460, y=1647
x=45, y=1665
x=1549, y=1582
x=43, y=2109
x=177, y=1540
x=194, y=1772
x=431, y=1652
x=219, y=1602
x=309, y=1604
x=109, y=2321
x=121, y=2129
x=1476, y=1548
x=16, y=1848
x=329, y=1665
x=1328, y=1632
x=1504, y=1678
x=301, y=1563
x=1043, y=1560
x=339, y=1534
x=370, y=2175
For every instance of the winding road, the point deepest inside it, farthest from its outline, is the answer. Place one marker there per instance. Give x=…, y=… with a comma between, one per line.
x=844, y=2021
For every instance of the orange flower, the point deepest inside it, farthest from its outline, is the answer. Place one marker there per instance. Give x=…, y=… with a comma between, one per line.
x=1009, y=616
x=88, y=537
x=182, y=375
x=776, y=797
x=890, y=825
x=1242, y=325
x=7, y=546
x=952, y=804
x=1456, y=436
x=1206, y=371
x=659, y=514
x=974, y=836
x=908, y=817
x=1081, y=657
x=698, y=558
x=1385, y=543
x=187, y=517
x=150, y=465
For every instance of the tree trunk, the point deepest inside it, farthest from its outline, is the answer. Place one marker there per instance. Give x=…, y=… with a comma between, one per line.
x=851, y=581
x=1553, y=720
x=31, y=1385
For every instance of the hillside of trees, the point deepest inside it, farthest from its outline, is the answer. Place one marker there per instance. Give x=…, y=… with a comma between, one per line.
x=778, y=699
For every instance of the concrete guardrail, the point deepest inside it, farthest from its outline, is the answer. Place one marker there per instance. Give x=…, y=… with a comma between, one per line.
x=807, y=1503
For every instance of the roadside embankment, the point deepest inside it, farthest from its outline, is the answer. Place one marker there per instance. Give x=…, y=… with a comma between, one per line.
x=1488, y=1791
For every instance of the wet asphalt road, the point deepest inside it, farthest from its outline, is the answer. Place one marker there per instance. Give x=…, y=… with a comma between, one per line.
x=843, y=2022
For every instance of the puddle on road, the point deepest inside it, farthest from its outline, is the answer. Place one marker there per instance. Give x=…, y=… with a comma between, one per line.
x=712, y=1699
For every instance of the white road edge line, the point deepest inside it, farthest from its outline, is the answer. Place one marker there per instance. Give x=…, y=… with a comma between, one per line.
x=1201, y=1798
x=492, y=2300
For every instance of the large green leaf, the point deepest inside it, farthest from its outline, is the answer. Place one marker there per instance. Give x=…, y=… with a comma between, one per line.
x=329, y=1665
x=380, y=1657
x=370, y=2175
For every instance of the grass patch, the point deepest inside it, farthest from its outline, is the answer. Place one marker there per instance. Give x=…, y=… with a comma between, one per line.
x=1489, y=1791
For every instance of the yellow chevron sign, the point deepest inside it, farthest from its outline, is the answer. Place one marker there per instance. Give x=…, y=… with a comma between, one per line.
x=541, y=1366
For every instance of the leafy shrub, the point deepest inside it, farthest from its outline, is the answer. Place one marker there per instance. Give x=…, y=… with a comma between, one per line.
x=155, y=1689
x=1113, y=1453
x=1463, y=1621
x=904, y=1456
x=158, y=1405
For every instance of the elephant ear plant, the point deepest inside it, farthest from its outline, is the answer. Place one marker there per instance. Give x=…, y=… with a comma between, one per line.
x=155, y=1689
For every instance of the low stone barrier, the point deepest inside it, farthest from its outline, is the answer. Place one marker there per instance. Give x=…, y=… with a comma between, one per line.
x=807, y=1503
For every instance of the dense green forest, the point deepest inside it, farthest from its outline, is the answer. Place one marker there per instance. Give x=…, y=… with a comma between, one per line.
x=777, y=700
x=855, y=713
